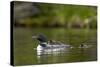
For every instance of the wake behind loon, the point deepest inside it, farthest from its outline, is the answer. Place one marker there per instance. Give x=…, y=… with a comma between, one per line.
x=49, y=44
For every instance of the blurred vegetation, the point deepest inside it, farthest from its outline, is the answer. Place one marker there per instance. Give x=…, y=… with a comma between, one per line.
x=29, y=14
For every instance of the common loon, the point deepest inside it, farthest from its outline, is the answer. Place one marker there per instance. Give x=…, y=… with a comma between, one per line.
x=51, y=44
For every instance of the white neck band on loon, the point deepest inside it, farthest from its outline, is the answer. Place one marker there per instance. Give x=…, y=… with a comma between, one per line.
x=43, y=44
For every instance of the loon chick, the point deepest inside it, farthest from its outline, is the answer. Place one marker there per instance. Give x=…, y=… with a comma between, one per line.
x=83, y=45
x=51, y=44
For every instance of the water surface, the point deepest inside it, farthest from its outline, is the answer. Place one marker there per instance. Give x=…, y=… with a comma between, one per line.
x=25, y=54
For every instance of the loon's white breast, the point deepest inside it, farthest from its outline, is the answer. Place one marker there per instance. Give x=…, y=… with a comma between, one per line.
x=54, y=46
x=52, y=49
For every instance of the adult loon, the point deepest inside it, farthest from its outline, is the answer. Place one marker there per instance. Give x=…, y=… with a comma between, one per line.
x=51, y=44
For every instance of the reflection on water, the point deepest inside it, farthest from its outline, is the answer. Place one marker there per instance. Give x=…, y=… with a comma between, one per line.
x=51, y=55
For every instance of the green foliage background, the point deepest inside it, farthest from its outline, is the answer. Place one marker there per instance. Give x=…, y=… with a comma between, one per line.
x=57, y=15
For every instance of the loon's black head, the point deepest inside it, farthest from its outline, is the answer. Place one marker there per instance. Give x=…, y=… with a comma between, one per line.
x=41, y=38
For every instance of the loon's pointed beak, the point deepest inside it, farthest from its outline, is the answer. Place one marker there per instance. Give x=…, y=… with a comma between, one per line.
x=34, y=37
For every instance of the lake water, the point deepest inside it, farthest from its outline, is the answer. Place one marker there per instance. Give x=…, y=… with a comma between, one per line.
x=25, y=53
